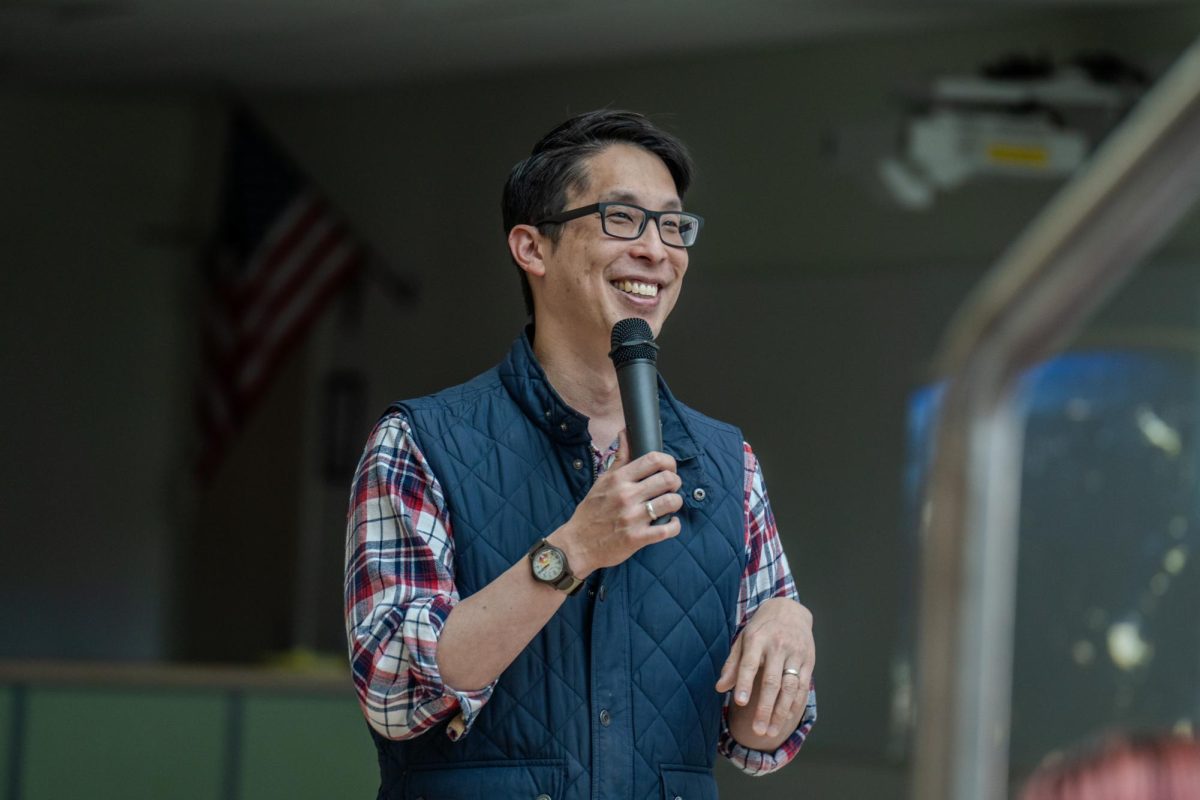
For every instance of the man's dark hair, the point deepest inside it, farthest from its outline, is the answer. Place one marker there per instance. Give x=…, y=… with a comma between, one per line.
x=537, y=187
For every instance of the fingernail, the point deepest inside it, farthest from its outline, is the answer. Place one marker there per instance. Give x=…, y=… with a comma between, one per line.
x=760, y=728
x=773, y=730
x=743, y=697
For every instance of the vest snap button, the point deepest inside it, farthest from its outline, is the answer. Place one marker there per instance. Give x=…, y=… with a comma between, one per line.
x=543, y=797
x=602, y=593
x=605, y=717
x=699, y=494
x=577, y=463
x=564, y=427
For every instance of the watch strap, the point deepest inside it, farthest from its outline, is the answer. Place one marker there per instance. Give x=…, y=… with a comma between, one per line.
x=567, y=582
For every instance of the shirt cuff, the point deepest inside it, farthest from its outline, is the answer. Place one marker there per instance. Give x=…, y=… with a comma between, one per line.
x=758, y=762
x=422, y=629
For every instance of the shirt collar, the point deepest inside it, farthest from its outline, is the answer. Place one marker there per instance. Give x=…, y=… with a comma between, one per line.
x=526, y=382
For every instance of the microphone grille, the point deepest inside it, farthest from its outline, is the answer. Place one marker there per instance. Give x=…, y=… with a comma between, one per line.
x=632, y=338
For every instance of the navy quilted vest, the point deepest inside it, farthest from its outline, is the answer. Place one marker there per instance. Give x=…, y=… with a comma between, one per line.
x=614, y=698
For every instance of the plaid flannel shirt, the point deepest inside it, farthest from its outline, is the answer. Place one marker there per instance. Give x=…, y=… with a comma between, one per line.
x=400, y=590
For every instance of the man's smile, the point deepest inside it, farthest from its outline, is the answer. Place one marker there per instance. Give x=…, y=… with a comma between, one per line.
x=636, y=287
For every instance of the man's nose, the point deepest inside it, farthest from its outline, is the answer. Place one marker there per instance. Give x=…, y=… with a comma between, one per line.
x=651, y=241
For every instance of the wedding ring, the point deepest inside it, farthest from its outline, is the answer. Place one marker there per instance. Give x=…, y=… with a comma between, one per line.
x=650, y=510
x=792, y=671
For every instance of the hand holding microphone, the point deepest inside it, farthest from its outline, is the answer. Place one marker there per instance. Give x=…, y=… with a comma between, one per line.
x=633, y=503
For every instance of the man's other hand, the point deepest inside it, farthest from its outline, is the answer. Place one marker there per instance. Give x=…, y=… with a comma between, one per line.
x=767, y=701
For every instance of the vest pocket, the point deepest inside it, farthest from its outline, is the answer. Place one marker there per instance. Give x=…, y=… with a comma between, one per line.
x=688, y=783
x=486, y=780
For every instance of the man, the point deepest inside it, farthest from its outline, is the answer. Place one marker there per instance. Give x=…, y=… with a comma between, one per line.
x=518, y=626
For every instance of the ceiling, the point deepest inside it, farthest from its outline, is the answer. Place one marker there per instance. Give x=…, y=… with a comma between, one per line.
x=330, y=43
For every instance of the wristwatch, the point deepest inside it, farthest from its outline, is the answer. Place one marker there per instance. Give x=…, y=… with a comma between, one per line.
x=549, y=565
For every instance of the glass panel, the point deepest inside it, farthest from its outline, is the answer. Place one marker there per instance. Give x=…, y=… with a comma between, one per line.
x=1106, y=633
x=1107, y=588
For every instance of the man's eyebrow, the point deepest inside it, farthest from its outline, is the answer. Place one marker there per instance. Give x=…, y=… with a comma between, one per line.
x=626, y=196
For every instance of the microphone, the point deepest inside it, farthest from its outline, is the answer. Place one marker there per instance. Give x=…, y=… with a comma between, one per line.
x=635, y=355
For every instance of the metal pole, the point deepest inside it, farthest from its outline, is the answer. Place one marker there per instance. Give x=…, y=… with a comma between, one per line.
x=1077, y=252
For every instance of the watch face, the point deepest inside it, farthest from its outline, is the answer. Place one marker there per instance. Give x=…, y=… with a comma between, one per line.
x=548, y=564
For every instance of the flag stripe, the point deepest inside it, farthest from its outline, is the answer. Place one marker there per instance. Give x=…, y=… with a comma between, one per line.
x=294, y=314
x=292, y=274
x=257, y=320
x=298, y=217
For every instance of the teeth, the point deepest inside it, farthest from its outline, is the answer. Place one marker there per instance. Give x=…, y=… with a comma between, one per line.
x=636, y=287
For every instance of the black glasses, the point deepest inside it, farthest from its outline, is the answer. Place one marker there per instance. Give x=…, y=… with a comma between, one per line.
x=627, y=221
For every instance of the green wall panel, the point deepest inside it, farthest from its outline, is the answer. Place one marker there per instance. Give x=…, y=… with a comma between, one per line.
x=110, y=743
x=306, y=747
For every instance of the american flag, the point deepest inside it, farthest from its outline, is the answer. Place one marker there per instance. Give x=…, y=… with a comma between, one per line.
x=282, y=252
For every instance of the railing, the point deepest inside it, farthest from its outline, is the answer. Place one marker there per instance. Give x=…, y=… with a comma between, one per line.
x=1074, y=255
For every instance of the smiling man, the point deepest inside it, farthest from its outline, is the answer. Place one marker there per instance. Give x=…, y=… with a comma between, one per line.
x=518, y=627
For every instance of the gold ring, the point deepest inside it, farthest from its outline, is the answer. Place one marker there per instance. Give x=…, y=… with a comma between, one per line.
x=650, y=510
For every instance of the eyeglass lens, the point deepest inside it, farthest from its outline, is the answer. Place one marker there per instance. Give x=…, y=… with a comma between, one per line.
x=629, y=222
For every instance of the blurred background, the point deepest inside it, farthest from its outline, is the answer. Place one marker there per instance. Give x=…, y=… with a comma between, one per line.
x=172, y=506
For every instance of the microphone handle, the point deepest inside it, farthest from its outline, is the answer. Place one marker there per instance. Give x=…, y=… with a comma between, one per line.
x=638, y=380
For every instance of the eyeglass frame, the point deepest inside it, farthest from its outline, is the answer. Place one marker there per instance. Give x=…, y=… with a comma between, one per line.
x=599, y=208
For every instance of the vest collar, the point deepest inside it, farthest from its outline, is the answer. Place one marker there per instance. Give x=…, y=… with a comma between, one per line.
x=527, y=384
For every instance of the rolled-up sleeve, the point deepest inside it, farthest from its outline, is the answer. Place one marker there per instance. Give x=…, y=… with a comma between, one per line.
x=400, y=589
x=767, y=575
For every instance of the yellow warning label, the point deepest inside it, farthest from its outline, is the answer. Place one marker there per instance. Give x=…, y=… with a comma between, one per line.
x=1018, y=155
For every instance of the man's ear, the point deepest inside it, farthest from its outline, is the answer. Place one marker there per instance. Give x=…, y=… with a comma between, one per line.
x=527, y=244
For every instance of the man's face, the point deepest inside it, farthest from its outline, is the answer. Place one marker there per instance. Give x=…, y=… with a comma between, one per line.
x=590, y=277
